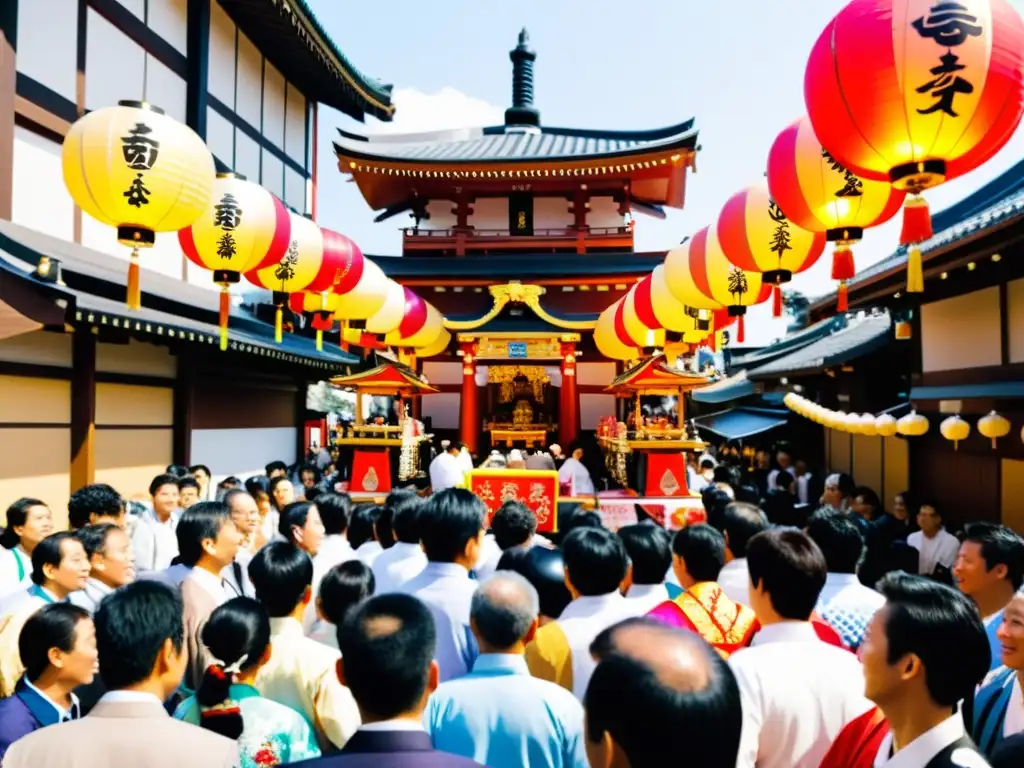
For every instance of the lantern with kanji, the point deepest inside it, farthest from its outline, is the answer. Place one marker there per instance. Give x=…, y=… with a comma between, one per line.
x=396, y=304
x=756, y=236
x=607, y=340
x=136, y=169
x=721, y=281
x=339, y=273
x=295, y=271
x=820, y=195
x=680, y=279
x=366, y=298
x=421, y=324
x=244, y=228
x=916, y=92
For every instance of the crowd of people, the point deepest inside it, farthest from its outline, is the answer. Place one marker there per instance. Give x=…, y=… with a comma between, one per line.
x=273, y=621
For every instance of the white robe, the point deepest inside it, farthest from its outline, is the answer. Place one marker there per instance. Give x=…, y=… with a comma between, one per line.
x=445, y=472
x=575, y=474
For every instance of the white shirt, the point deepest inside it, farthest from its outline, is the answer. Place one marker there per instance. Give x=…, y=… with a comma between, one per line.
x=63, y=715
x=921, y=750
x=797, y=694
x=1014, y=720
x=802, y=488
x=940, y=549
x=154, y=541
x=446, y=471
x=229, y=578
x=644, y=598
x=394, y=567
x=334, y=550
x=15, y=571
x=734, y=579
x=369, y=551
x=211, y=584
x=447, y=590
x=465, y=461
x=575, y=474
x=584, y=619
x=490, y=555
x=130, y=697
x=90, y=597
x=269, y=525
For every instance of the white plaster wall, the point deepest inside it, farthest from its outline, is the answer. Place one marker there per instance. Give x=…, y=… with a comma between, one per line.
x=490, y=213
x=220, y=137
x=294, y=189
x=604, y=212
x=38, y=348
x=441, y=216
x=169, y=19
x=595, y=407
x=41, y=201
x=273, y=105
x=135, y=357
x=165, y=89
x=273, y=174
x=48, y=43
x=113, y=65
x=441, y=373
x=249, y=82
x=242, y=452
x=961, y=332
x=588, y=374
x=295, y=125
x=443, y=409
x=221, y=81
x=551, y=213
x=247, y=156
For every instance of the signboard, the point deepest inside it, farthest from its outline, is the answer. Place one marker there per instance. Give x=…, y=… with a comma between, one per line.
x=517, y=349
x=536, y=489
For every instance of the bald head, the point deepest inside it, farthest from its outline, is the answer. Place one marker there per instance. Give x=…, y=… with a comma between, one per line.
x=504, y=611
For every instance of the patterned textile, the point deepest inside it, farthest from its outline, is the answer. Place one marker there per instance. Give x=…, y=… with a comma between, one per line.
x=847, y=606
x=705, y=609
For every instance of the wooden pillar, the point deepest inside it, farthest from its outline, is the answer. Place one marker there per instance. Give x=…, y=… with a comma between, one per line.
x=568, y=400
x=469, y=405
x=300, y=419
x=580, y=203
x=184, y=399
x=83, y=409
x=197, y=43
x=8, y=78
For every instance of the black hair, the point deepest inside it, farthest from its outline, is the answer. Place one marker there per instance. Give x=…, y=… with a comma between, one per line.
x=707, y=463
x=335, y=509
x=405, y=509
x=230, y=482
x=595, y=560
x=50, y=551
x=53, y=626
x=188, y=482
x=387, y=644
x=294, y=515
x=845, y=485
x=728, y=474
x=715, y=500
x=450, y=520
x=280, y=573
x=934, y=505
x=545, y=569
x=275, y=466
x=513, y=525
x=783, y=478
x=748, y=494
x=176, y=470
x=17, y=516
x=649, y=548
x=702, y=548
x=310, y=468
x=236, y=629
x=362, y=526
x=869, y=496
x=132, y=625
x=741, y=522
x=344, y=587
x=927, y=618
x=196, y=467
x=233, y=493
x=455, y=445
x=256, y=485
x=787, y=565
x=273, y=487
x=203, y=520
x=999, y=546
x=385, y=527
x=96, y=499
x=838, y=538
x=577, y=517
x=160, y=481
x=709, y=718
x=94, y=537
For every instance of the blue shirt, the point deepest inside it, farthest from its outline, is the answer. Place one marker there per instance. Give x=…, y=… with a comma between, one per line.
x=447, y=590
x=502, y=717
x=992, y=625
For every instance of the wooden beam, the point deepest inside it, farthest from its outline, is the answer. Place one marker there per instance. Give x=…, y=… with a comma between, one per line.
x=80, y=43
x=83, y=409
x=8, y=79
x=184, y=400
x=300, y=420
x=197, y=42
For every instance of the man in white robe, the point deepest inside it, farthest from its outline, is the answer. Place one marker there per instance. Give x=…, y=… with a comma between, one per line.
x=576, y=476
x=446, y=470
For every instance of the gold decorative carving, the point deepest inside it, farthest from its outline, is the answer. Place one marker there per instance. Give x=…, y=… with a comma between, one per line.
x=505, y=375
x=518, y=293
x=370, y=480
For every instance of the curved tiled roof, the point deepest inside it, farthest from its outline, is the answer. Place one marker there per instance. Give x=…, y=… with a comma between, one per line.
x=520, y=266
x=860, y=335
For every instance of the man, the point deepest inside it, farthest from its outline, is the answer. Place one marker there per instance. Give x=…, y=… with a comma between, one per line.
x=189, y=492
x=806, y=490
x=780, y=503
x=658, y=694
x=405, y=559
x=451, y=528
x=797, y=691
x=140, y=639
x=498, y=714
x=937, y=548
x=783, y=463
x=649, y=549
x=908, y=673
x=595, y=565
x=201, y=473
x=153, y=540
x=111, y=564
x=309, y=482
x=388, y=645
x=740, y=523
x=301, y=672
x=245, y=514
x=446, y=470
x=95, y=504
x=537, y=458
x=698, y=554
x=989, y=569
x=335, y=510
x=838, y=493
x=556, y=454
x=844, y=604
x=513, y=525
x=276, y=469
x=209, y=542
x=575, y=475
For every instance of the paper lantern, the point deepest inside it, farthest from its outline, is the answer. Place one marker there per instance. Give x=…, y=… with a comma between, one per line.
x=916, y=92
x=420, y=332
x=851, y=423
x=867, y=425
x=607, y=340
x=994, y=426
x=439, y=345
x=725, y=283
x=296, y=270
x=756, y=236
x=636, y=335
x=956, y=429
x=366, y=298
x=835, y=420
x=681, y=282
x=820, y=195
x=885, y=425
x=134, y=168
x=389, y=316
x=912, y=425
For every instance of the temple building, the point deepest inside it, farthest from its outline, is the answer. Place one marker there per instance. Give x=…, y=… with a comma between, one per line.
x=521, y=234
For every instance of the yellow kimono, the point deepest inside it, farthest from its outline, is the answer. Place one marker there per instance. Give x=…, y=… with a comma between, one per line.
x=705, y=609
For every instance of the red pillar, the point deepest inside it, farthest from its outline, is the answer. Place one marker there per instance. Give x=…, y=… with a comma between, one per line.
x=469, y=405
x=568, y=399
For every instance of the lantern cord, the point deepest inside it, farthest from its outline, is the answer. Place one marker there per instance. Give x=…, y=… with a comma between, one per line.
x=145, y=75
x=134, y=293
x=842, y=300
x=279, y=324
x=917, y=227
x=225, y=313
x=777, y=301
x=915, y=273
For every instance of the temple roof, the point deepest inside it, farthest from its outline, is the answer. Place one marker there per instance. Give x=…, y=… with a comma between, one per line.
x=527, y=266
x=386, y=378
x=653, y=376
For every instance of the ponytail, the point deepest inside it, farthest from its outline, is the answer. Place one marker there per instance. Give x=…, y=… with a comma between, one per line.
x=217, y=711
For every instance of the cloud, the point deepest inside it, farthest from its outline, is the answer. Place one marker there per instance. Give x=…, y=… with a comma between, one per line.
x=417, y=112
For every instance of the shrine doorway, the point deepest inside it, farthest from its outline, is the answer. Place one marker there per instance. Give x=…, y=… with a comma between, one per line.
x=521, y=405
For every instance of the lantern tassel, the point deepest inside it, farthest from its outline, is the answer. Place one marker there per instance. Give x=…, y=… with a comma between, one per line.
x=917, y=221
x=134, y=295
x=777, y=301
x=915, y=273
x=279, y=324
x=225, y=313
x=842, y=297
x=740, y=329
x=842, y=263
x=319, y=341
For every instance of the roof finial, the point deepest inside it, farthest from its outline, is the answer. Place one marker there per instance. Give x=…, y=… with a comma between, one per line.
x=522, y=111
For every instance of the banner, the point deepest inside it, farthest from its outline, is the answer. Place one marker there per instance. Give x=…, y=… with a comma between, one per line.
x=371, y=470
x=536, y=489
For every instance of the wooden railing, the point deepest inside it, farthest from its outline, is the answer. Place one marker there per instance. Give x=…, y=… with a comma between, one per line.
x=463, y=240
x=569, y=232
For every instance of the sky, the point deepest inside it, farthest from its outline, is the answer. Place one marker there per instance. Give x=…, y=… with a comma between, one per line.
x=736, y=66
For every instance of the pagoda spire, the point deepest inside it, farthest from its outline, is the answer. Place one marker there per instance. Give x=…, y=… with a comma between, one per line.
x=522, y=111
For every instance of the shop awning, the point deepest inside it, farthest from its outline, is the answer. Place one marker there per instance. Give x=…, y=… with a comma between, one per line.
x=861, y=335
x=740, y=423
x=784, y=346
x=724, y=390
x=993, y=390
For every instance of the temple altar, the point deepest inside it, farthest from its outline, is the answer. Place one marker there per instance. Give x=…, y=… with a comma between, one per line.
x=518, y=405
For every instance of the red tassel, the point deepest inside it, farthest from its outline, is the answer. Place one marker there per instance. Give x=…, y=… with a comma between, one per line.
x=917, y=221
x=842, y=303
x=740, y=329
x=134, y=295
x=842, y=263
x=225, y=313
x=777, y=302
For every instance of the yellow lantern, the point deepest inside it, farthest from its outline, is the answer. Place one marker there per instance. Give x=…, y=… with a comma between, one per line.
x=851, y=423
x=426, y=335
x=607, y=340
x=867, y=425
x=367, y=298
x=790, y=400
x=134, y=168
x=912, y=425
x=439, y=345
x=389, y=316
x=720, y=280
x=885, y=425
x=956, y=429
x=679, y=279
x=993, y=426
x=835, y=420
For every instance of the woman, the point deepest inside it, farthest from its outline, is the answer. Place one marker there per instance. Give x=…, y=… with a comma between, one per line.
x=29, y=521
x=999, y=705
x=58, y=650
x=362, y=533
x=342, y=588
x=237, y=635
x=258, y=487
